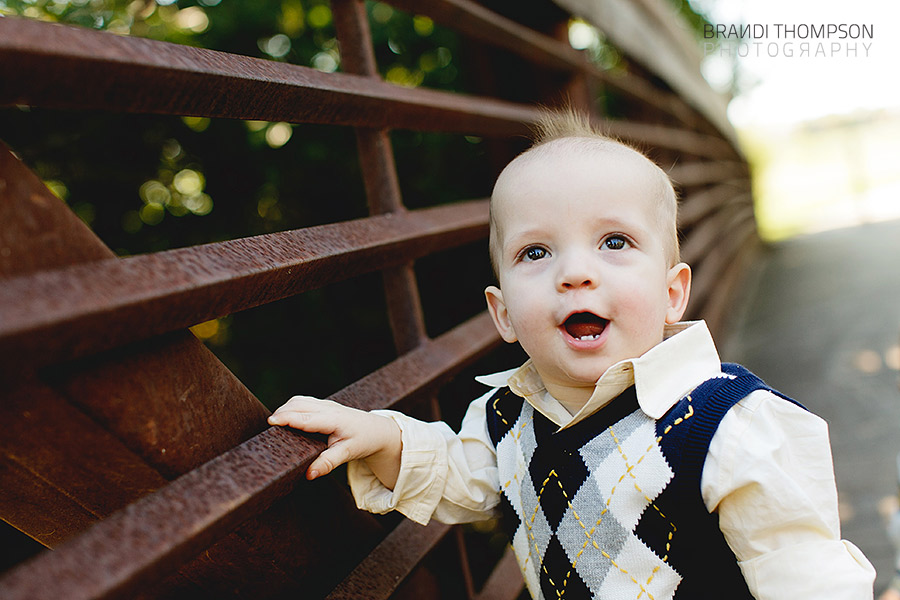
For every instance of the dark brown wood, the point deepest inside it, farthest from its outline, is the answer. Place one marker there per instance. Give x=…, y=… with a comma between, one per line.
x=136, y=75
x=86, y=440
x=62, y=419
x=718, y=307
x=505, y=581
x=404, y=308
x=699, y=144
x=152, y=537
x=701, y=173
x=385, y=568
x=351, y=24
x=59, y=470
x=376, y=157
x=86, y=69
x=483, y=25
x=92, y=424
x=708, y=271
x=376, y=161
x=37, y=231
x=57, y=315
x=700, y=204
x=709, y=234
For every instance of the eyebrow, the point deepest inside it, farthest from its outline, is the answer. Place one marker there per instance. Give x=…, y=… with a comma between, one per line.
x=520, y=239
x=610, y=223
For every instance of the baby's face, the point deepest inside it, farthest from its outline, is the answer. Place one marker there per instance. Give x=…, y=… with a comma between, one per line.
x=584, y=279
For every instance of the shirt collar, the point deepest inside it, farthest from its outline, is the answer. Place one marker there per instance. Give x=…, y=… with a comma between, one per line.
x=685, y=358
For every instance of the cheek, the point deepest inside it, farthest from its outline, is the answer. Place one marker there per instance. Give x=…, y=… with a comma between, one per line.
x=522, y=315
x=643, y=298
x=527, y=313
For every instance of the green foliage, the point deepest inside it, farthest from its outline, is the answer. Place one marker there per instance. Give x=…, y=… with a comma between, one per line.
x=695, y=19
x=148, y=183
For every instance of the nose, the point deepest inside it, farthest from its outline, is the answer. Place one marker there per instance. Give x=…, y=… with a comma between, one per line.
x=575, y=272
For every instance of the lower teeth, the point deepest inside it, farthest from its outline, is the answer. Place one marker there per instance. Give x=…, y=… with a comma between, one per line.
x=586, y=338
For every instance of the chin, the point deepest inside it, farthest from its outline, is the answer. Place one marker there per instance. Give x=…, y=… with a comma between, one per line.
x=588, y=376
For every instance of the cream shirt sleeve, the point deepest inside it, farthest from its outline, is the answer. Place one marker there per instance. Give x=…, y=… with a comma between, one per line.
x=447, y=476
x=769, y=474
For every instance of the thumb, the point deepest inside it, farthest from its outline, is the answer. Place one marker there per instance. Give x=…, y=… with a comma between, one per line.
x=331, y=458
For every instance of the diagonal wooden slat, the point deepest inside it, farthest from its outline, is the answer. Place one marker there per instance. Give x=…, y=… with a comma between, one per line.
x=704, y=172
x=62, y=314
x=146, y=76
x=708, y=236
x=65, y=312
x=480, y=23
x=696, y=206
x=385, y=568
x=86, y=69
x=718, y=265
x=682, y=140
x=149, y=539
x=505, y=581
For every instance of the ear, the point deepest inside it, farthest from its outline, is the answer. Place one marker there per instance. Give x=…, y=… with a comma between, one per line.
x=679, y=282
x=499, y=314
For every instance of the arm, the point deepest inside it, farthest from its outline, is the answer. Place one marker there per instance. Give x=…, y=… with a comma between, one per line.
x=422, y=470
x=451, y=477
x=769, y=475
x=352, y=434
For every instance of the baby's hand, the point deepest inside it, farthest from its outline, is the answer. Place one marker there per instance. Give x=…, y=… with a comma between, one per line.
x=352, y=434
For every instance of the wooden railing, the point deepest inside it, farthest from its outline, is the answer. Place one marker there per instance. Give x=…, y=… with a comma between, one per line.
x=135, y=454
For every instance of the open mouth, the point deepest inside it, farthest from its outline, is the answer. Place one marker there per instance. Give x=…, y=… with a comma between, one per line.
x=585, y=326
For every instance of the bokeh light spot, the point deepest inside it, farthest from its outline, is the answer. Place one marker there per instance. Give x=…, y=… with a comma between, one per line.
x=400, y=75
x=188, y=182
x=382, y=13
x=256, y=125
x=319, y=16
x=171, y=149
x=423, y=25
x=292, y=19
x=85, y=211
x=152, y=214
x=193, y=19
x=215, y=331
x=867, y=361
x=58, y=188
x=276, y=46
x=154, y=192
x=197, y=124
x=278, y=134
x=200, y=205
x=206, y=330
x=325, y=61
x=582, y=36
x=131, y=222
x=892, y=358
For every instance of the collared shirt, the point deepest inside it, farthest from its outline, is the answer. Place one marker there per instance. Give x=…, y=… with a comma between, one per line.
x=768, y=471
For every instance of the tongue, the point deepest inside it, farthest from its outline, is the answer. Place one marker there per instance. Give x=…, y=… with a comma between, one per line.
x=582, y=324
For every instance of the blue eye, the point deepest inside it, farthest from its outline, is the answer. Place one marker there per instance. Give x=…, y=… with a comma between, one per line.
x=615, y=242
x=534, y=253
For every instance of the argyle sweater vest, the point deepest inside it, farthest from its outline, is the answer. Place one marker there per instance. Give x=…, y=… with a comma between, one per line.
x=610, y=508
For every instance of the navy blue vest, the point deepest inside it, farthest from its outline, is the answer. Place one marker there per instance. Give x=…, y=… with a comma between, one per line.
x=590, y=558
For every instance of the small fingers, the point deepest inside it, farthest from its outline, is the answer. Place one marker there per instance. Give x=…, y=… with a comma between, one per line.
x=330, y=459
x=307, y=414
x=300, y=403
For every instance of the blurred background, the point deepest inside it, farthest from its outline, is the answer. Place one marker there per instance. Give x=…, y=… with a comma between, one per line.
x=821, y=130
x=818, y=316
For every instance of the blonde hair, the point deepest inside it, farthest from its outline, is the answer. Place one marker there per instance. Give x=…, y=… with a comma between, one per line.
x=576, y=126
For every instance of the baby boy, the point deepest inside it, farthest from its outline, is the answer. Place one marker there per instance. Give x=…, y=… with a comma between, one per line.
x=625, y=459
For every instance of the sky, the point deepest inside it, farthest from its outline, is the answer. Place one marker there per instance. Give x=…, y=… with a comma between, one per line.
x=778, y=84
